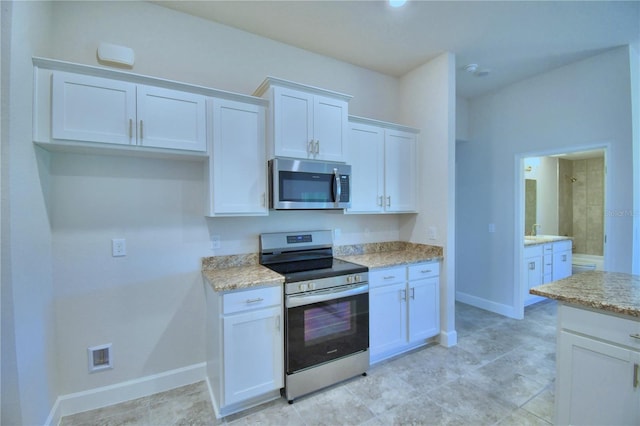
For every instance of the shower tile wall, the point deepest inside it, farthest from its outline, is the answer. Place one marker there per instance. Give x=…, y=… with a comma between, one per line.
x=586, y=196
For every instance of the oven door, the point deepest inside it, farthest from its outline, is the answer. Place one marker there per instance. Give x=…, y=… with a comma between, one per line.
x=325, y=325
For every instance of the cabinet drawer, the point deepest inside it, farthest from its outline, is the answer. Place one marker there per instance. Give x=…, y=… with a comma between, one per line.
x=380, y=277
x=251, y=299
x=532, y=251
x=424, y=270
x=562, y=245
x=606, y=327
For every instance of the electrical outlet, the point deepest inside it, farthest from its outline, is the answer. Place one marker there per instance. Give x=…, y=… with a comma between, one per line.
x=118, y=247
x=215, y=242
x=432, y=233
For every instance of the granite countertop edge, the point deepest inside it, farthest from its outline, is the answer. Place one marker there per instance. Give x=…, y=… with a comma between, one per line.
x=546, y=240
x=243, y=271
x=610, y=292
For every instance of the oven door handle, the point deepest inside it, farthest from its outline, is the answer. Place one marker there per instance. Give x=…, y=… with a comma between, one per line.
x=295, y=300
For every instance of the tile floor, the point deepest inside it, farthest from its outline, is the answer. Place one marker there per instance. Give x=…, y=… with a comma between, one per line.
x=500, y=373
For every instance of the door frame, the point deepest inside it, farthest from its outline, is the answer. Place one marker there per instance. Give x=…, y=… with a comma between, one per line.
x=519, y=278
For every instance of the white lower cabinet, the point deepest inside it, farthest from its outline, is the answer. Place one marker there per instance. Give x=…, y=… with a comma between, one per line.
x=544, y=263
x=598, y=363
x=403, y=308
x=245, y=343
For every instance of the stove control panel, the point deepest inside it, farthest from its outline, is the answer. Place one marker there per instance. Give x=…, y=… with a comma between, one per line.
x=325, y=283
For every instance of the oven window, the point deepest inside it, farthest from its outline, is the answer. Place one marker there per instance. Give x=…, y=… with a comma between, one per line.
x=328, y=321
x=306, y=187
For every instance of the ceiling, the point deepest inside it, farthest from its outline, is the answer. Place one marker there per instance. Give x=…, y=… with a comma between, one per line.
x=512, y=40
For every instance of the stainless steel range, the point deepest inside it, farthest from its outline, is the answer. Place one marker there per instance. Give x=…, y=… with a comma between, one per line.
x=326, y=310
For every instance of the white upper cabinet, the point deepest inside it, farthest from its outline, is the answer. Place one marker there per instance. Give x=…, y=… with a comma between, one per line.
x=171, y=119
x=94, y=109
x=238, y=165
x=400, y=157
x=383, y=157
x=305, y=122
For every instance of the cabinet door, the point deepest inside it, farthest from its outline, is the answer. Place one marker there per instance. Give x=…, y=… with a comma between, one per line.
x=253, y=354
x=171, y=119
x=400, y=171
x=238, y=175
x=424, y=312
x=561, y=265
x=330, y=127
x=293, y=123
x=534, y=276
x=387, y=319
x=365, y=154
x=596, y=382
x=92, y=109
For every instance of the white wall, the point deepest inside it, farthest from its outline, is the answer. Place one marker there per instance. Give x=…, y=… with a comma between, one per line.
x=429, y=103
x=150, y=304
x=462, y=119
x=30, y=377
x=569, y=108
x=634, y=58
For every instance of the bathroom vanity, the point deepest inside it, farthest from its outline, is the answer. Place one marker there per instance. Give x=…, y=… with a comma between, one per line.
x=598, y=348
x=547, y=258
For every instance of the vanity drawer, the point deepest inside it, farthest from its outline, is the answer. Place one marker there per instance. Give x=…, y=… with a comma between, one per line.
x=562, y=245
x=424, y=270
x=242, y=300
x=611, y=328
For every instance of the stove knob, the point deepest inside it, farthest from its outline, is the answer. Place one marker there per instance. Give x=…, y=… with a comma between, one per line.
x=349, y=279
x=358, y=278
x=302, y=287
x=311, y=286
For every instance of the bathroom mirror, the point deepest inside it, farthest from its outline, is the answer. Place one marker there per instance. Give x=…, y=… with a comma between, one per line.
x=530, y=204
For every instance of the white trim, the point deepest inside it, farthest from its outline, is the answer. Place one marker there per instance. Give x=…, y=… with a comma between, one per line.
x=487, y=305
x=104, y=396
x=448, y=339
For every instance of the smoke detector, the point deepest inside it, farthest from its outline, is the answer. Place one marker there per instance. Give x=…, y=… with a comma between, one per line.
x=471, y=68
x=476, y=71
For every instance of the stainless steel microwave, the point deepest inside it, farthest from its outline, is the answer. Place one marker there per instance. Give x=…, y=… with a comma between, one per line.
x=308, y=185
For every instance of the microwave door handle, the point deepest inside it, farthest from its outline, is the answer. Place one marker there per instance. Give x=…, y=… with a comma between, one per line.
x=337, y=188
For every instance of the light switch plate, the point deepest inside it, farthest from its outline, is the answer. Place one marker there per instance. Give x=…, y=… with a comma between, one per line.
x=118, y=247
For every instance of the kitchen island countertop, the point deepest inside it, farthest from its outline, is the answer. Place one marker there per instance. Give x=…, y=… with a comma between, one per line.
x=612, y=292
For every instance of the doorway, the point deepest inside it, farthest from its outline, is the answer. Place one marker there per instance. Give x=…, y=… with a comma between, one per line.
x=562, y=194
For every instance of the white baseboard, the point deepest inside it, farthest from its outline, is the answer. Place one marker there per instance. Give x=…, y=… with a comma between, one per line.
x=448, y=339
x=488, y=305
x=100, y=397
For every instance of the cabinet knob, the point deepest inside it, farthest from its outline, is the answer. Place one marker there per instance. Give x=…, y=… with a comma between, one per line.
x=532, y=266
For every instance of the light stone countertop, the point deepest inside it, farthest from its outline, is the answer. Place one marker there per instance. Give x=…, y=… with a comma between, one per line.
x=606, y=291
x=384, y=255
x=543, y=239
x=226, y=273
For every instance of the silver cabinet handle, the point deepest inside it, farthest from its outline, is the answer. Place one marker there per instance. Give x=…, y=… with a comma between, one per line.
x=425, y=271
x=564, y=257
x=141, y=130
x=389, y=201
x=532, y=266
x=264, y=199
x=278, y=322
x=403, y=294
x=130, y=128
x=636, y=380
x=635, y=336
x=413, y=293
x=380, y=200
x=256, y=300
x=389, y=277
x=310, y=147
x=317, y=147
